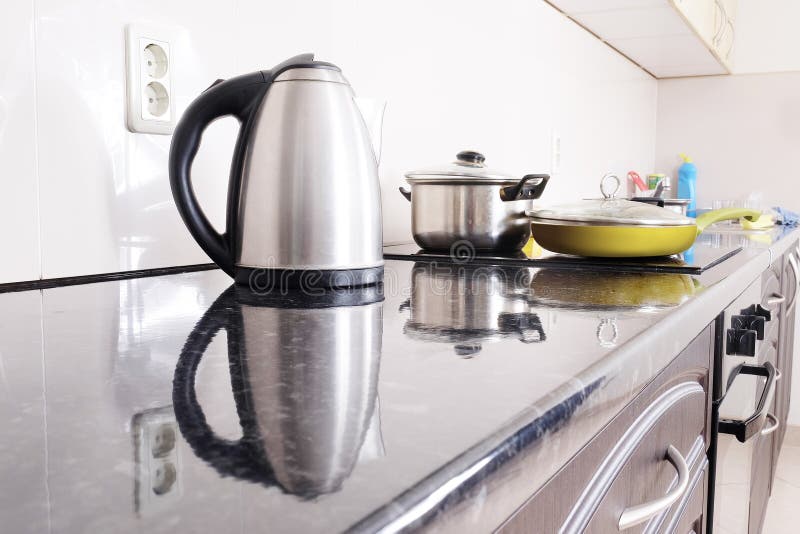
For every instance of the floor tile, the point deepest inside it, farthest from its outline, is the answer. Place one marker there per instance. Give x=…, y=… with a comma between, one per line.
x=782, y=510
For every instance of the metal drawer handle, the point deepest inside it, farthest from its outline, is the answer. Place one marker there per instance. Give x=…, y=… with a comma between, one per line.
x=772, y=425
x=793, y=264
x=642, y=512
x=776, y=298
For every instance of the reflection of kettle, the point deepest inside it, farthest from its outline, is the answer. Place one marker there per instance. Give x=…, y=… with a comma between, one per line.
x=304, y=201
x=468, y=305
x=304, y=376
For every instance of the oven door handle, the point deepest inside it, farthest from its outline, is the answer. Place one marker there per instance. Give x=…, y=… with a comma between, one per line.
x=744, y=429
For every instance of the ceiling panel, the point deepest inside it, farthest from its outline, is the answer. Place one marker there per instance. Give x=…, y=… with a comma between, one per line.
x=629, y=23
x=688, y=70
x=665, y=51
x=583, y=6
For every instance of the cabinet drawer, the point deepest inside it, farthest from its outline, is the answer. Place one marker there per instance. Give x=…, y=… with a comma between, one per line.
x=691, y=517
x=644, y=474
x=626, y=464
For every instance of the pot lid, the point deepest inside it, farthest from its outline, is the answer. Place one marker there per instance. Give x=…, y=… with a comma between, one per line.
x=469, y=167
x=611, y=211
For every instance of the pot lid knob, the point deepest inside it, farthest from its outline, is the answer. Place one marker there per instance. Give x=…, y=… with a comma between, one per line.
x=470, y=157
x=467, y=350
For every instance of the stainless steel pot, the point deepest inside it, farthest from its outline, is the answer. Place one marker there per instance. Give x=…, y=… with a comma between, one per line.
x=465, y=204
x=678, y=205
x=468, y=305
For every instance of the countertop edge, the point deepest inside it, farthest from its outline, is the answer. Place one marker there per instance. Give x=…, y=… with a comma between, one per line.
x=417, y=506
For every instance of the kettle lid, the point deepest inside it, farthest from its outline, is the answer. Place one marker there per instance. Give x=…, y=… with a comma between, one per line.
x=301, y=61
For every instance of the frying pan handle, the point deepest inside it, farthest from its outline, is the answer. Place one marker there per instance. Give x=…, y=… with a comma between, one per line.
x=725, y=214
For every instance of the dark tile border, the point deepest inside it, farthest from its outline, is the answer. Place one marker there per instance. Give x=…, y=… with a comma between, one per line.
x=104, y=277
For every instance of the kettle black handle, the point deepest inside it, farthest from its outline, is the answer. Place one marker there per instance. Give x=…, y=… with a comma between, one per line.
x=238, y=97
x=227, y=457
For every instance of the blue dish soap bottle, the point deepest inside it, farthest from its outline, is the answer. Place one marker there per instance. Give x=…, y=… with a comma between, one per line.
x=687, y=181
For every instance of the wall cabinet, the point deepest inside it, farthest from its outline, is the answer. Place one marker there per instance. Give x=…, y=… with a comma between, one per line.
x=668, y=38
x=714, y=22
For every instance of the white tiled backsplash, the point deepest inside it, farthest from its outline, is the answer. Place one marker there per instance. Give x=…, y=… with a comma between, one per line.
x=79, y=194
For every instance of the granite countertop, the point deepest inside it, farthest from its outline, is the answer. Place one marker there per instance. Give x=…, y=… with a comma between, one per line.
x=179, y=404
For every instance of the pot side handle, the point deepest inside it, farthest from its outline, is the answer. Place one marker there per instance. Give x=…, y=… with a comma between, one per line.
x=725, y=214
x=406, y=193
x=525, y=190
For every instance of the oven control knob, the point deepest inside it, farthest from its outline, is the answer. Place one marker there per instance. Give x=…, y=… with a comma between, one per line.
x=749, y=322
x=741, y=342
x=757, y=309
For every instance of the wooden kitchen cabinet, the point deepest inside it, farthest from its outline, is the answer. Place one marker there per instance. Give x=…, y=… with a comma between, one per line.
x=702, y=15
x=725, y=21
x=785, y=349
x=714, y=22
x=779, y=293
x=761, y=463
x=625, y=464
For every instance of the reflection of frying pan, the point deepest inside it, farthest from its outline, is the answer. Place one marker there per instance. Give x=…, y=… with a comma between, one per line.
x=303, y=426
x=610, y=294
x=588, y=290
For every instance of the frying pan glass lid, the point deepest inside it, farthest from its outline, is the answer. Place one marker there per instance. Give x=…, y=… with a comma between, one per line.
x=610, y=210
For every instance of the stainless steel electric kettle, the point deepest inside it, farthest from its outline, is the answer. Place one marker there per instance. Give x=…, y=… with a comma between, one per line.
x=304, y=205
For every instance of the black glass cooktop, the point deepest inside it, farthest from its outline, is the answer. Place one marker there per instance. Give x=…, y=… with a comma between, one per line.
x=694, y=261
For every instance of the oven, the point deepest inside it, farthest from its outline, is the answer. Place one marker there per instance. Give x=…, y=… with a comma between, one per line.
x=745, y=379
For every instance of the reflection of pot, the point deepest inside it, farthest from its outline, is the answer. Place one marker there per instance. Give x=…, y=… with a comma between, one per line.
x=304, y=377
x=610, y=294
x=470, y=304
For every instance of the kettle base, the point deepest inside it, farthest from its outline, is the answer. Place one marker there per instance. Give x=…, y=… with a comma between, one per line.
x=262, y=280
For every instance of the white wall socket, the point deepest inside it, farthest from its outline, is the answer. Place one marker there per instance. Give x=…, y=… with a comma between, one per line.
x=149, y=80
x=555, y=153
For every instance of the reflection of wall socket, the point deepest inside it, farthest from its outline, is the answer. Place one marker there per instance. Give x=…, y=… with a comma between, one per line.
x=158, y=467
x=150, y=100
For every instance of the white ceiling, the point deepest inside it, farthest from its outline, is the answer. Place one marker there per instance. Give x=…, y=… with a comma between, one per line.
x=650, y=32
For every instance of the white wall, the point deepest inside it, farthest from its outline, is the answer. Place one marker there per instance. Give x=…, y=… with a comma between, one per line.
x=766, y=38
x=742, y=131
x=497, y=77
x=19, y=229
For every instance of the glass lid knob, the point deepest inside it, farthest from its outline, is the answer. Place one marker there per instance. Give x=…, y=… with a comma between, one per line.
x=609, y=182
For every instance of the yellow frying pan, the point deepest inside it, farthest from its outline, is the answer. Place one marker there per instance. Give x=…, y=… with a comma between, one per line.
x=619, y=228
